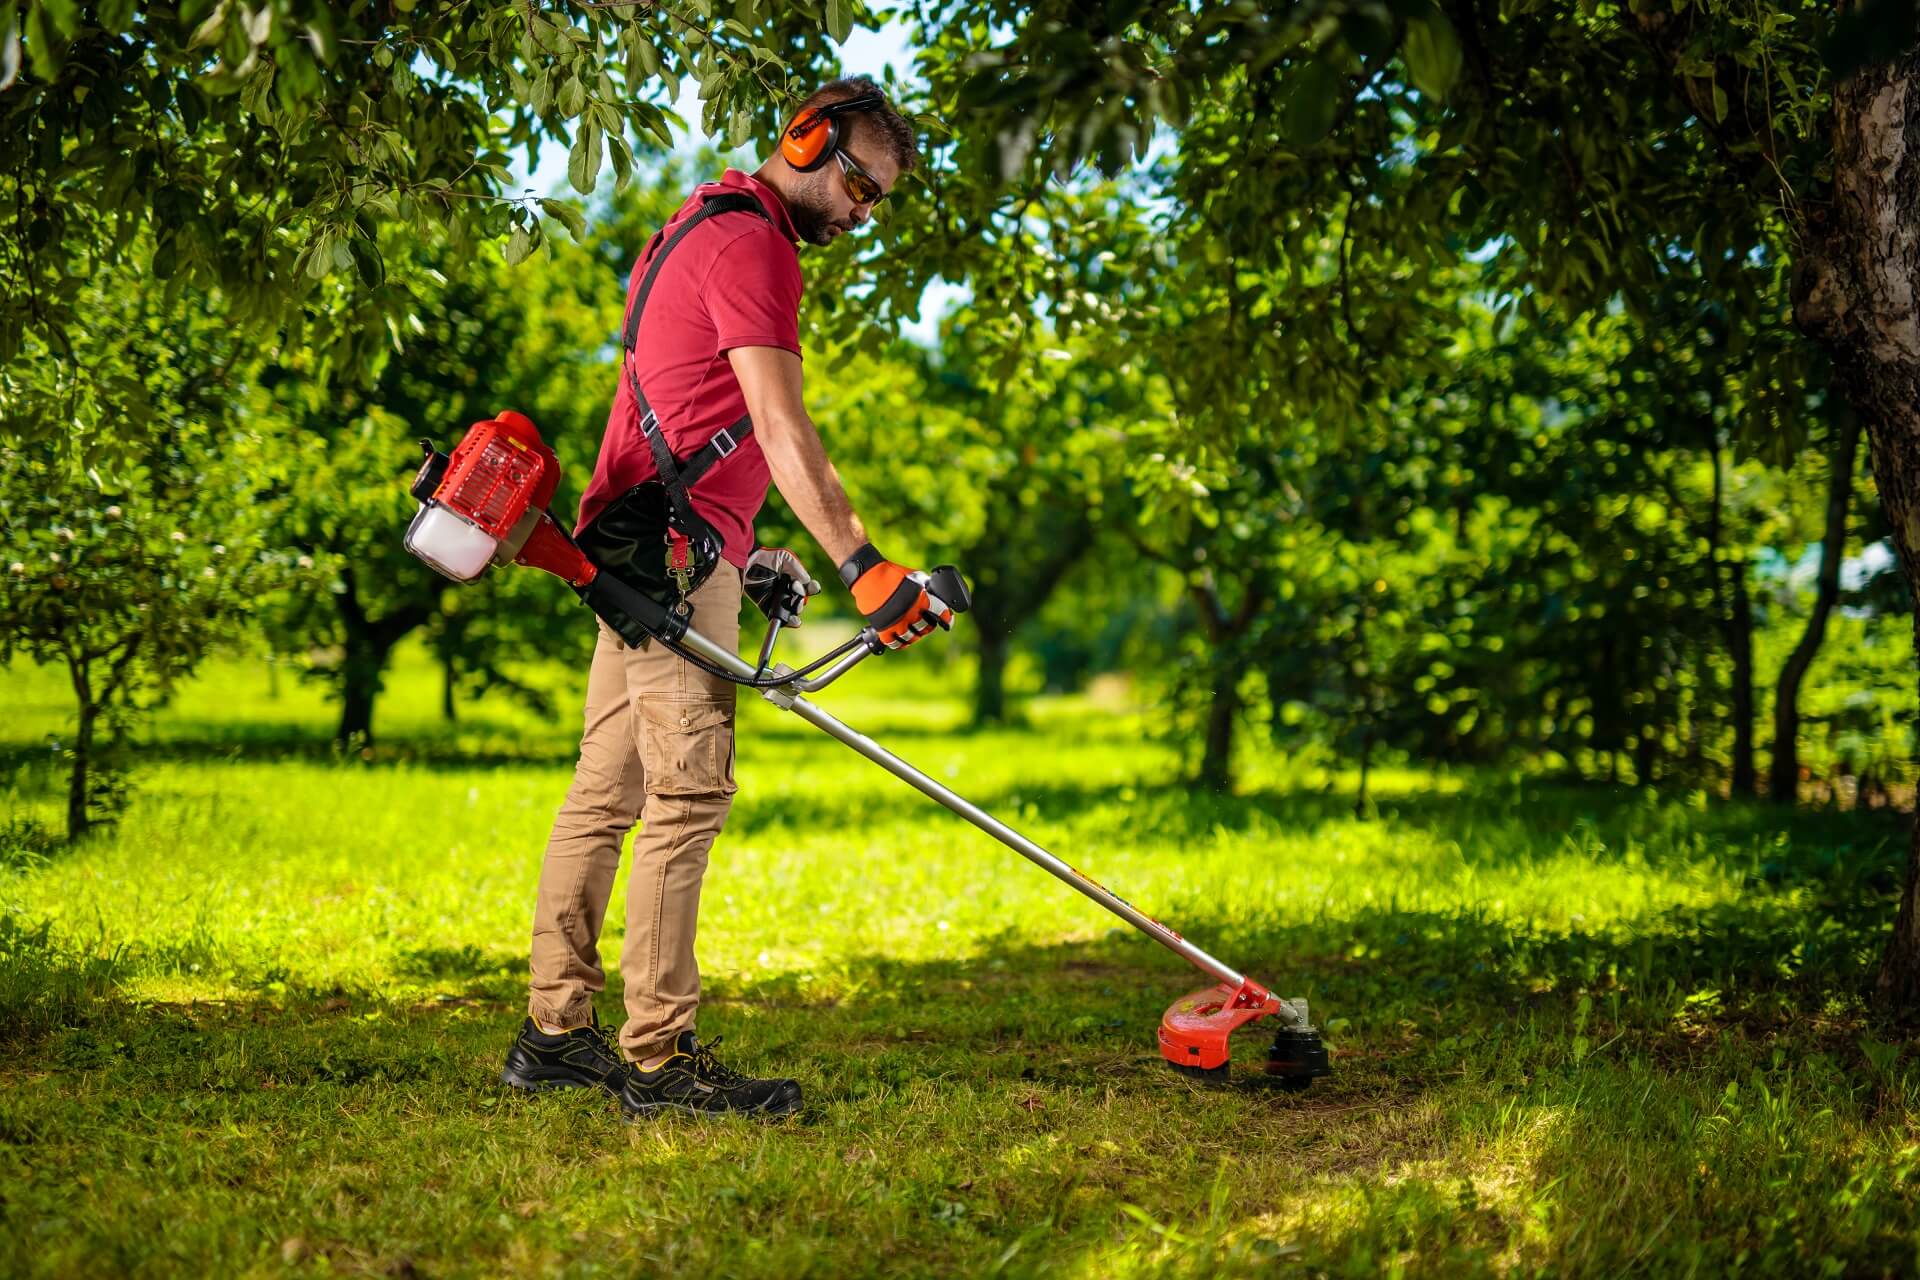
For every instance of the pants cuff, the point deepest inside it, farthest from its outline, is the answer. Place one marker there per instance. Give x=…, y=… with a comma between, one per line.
x=577, y=1014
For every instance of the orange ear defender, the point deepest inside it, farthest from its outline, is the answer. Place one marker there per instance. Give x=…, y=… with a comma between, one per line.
x=815, y=134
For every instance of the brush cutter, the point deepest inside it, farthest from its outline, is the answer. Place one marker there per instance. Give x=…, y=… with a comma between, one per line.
x=487, y=504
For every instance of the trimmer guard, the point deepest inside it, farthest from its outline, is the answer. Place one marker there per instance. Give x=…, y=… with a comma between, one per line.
x=1196, y=1027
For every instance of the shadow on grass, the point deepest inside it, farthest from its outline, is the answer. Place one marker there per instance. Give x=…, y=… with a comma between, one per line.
x=1459, y=1040
x=476, y=741
x=1806, y=936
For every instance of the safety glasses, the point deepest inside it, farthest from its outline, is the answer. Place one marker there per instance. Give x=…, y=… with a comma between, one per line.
x=861, y=187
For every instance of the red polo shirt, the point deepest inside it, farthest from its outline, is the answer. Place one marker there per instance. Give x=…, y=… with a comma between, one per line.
x=733, y=282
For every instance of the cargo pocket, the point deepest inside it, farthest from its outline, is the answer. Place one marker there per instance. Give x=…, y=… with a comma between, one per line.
x=687, y=747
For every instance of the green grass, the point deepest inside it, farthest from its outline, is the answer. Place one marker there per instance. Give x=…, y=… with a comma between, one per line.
x=255, y=1027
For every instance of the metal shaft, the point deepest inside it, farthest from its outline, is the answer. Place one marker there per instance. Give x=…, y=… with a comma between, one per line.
x=972, y=813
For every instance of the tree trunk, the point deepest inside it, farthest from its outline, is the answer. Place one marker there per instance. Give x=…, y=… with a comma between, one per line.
x=359, y=685
x=448, y=676
x=1216, y=764
x=1735, y=610
x=1783, y=783
x=990, y=685
x=1225, y=632
x=369, y=643
x=1740, y=647
x=1366, y=764
x=1017, y=576
x=1854, y=291
x=79, y=779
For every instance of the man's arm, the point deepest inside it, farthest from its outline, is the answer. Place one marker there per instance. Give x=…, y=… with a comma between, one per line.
x=893, y=599
x=771, y=379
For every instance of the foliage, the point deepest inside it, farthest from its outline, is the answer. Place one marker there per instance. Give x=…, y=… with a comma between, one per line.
x=284, y=157
x=1006, y=468
x=129, y=580
x=113, y=586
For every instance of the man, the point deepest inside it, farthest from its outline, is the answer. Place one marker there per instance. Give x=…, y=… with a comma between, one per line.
x=717, y=342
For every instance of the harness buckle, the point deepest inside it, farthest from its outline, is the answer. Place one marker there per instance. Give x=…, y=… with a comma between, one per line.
x=724, y=443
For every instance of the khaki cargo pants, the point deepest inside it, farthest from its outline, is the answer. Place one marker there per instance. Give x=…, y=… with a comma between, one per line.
x=658, y=749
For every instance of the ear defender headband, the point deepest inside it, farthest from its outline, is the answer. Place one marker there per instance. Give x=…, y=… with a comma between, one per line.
x=815, y=134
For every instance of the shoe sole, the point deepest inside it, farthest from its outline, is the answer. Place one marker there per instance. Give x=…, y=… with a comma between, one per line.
x=537, y=1084
x=774, y=1109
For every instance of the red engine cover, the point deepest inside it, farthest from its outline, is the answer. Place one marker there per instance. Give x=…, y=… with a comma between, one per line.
x=498, y=471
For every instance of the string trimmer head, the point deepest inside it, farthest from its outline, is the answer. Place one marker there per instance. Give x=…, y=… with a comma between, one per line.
x=1195, y=1030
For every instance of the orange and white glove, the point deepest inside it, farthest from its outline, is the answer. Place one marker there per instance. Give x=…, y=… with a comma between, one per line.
x=893, y=598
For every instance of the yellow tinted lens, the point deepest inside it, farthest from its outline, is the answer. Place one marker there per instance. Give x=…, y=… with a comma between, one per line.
x=863, y=189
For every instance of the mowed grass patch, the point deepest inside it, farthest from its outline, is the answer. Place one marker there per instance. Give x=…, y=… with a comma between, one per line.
x=258, y=1023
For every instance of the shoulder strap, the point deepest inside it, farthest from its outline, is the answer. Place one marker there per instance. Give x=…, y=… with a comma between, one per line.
x=730, y=202
x=679, y=477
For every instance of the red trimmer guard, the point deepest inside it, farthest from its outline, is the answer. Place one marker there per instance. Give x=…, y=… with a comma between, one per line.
x=1194, y=1031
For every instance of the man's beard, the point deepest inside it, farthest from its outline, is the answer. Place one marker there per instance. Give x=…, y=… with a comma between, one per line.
x=812, y=216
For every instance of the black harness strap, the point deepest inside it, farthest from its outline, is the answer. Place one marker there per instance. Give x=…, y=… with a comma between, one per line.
x=676, y=475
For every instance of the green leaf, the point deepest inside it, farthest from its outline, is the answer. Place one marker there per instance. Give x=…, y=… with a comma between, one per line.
x=645, y=58
x=568, y=216
x=1719, y=103
x=1312, y=104
x=65, y=15
x=320, y=256
x=839, y=21
x=209, y=31
x=583, y=162
x=367, y=262
x=654, y=123
x=622, y=156
x=43, y=51
x=1432, y=53
x=1367, y=32
x=165, y=258
x=115, y=15
x=519, y=245
x=193, y=106
x=572, y=97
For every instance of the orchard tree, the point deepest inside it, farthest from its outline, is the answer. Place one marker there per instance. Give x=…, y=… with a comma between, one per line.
x=1006, y=466
x=128, y=586
x=130, y=578
x=486, y=337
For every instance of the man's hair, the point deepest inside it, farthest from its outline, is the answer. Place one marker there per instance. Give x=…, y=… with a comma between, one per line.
x=884, y=124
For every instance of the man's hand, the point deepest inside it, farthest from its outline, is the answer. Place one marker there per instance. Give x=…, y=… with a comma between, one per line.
x=777, y=582
x=893, y=598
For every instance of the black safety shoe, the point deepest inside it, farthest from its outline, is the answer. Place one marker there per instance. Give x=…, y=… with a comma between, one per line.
x=581, y=1058
x=694, y=1080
